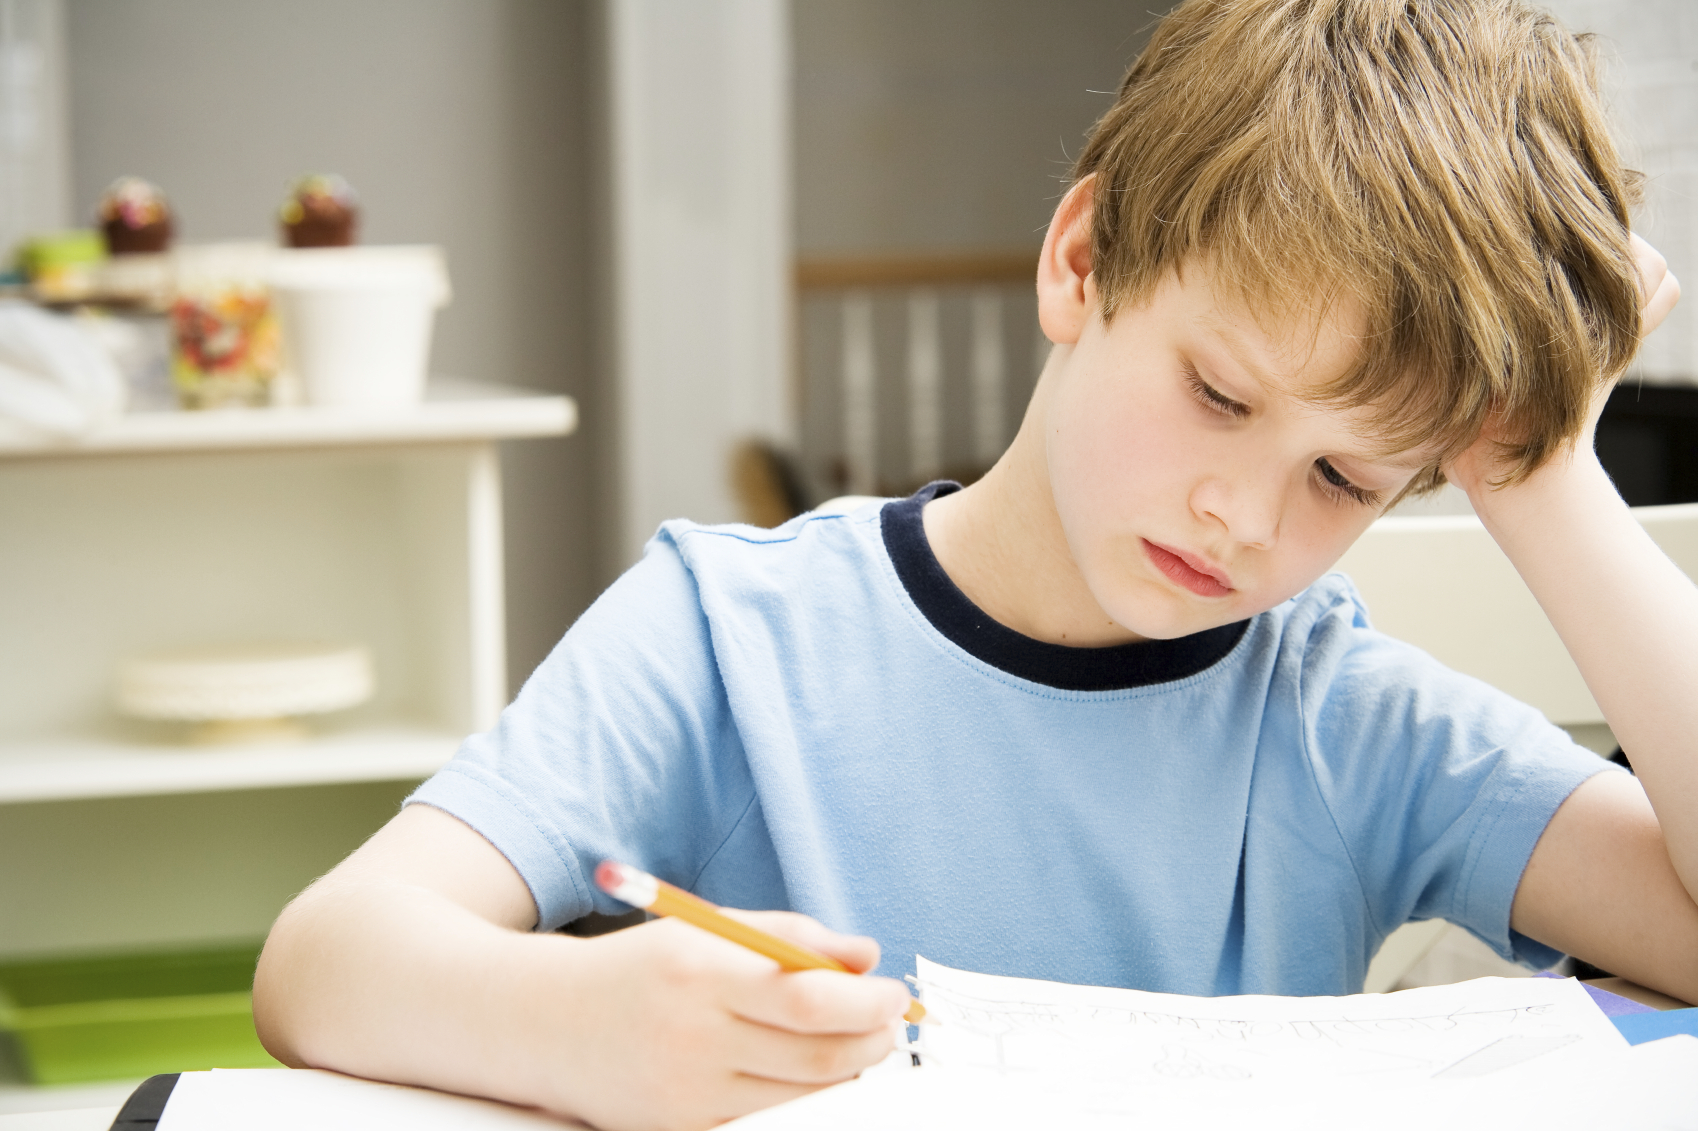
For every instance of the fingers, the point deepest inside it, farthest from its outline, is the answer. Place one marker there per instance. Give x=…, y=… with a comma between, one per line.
x=1650, y=262
x=693, y=1030
x=686, y=1094
x=819, y=1001
x=1667, y=294
x=807, y=1058
x=857, y=952
x=743, y=1068
x=1658, y=287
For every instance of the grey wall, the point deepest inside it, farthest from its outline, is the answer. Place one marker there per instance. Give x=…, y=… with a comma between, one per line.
x=460, y=122
x=472, y=123
x=935, y=126
x=947, y=124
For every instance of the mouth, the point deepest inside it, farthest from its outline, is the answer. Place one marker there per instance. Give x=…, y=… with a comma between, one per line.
x=1188, y=571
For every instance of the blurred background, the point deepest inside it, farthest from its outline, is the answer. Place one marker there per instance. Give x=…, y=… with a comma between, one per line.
x=774, y=251
x=859, y=131
x=871, y=140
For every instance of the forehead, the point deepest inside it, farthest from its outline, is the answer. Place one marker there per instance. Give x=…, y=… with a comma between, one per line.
x=1294, y=345
x=1300, y=352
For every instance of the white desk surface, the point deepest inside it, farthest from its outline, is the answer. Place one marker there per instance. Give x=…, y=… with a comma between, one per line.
x=100, y=1118
x=78, y=1119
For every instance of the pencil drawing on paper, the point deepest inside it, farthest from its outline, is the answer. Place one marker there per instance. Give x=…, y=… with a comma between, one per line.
x=1083, y=1034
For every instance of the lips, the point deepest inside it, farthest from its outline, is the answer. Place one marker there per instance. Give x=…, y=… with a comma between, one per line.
x=1188, y=571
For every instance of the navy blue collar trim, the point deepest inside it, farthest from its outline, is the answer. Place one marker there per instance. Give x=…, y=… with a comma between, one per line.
x=1054, y=665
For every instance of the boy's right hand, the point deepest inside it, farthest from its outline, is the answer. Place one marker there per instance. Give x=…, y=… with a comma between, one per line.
x=677, y=1028
x=414, y=961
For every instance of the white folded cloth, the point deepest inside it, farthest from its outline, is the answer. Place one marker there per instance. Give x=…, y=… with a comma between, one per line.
x=54, y=375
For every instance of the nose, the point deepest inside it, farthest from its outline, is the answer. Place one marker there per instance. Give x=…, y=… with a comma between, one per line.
x=1248, y=508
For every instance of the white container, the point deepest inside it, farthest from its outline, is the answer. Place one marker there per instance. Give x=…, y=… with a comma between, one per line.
x=357, y=321
x=254, y=682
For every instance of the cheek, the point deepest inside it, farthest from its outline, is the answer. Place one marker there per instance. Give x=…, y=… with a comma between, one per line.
x=1311, y=546
x=1113, y=458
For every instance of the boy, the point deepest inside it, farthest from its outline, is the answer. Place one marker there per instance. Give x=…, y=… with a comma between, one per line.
x=1100, y=717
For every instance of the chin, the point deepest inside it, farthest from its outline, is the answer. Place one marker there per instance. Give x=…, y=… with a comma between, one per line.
x=1153, y=625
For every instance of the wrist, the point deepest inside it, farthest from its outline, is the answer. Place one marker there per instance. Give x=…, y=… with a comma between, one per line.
x=533, y=999
x=1571, y=477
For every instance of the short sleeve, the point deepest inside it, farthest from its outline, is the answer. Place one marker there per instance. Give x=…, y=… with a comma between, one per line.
x=1439, y=784
x=619, y=745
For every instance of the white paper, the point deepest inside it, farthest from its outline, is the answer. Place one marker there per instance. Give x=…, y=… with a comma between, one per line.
x=1014, y=1053
x=1092, y=1037
x=1643, y=1088
x=288, y=1099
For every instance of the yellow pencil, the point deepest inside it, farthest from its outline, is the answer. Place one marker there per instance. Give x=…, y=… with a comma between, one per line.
x=639, y=889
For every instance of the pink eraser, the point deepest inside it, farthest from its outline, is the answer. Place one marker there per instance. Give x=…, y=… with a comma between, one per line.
x=609, y=875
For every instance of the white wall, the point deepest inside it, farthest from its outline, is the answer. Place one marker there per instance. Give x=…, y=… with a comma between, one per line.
x=699, y=136
x=1653, y=51
x=460, y=122
x=34, y=166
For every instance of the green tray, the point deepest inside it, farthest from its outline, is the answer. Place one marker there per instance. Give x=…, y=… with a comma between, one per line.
x=113, y=1016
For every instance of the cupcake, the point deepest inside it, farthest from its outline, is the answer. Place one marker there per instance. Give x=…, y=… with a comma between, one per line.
x=321, y=211
x=134, y=217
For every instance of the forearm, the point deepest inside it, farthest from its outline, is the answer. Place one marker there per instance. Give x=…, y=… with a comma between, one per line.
x=396, y=982
x=1629, y=618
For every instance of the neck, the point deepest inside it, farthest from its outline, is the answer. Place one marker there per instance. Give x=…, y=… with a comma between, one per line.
x=1002, y=543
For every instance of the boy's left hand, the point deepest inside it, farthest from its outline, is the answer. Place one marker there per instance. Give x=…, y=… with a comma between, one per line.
x=1659, y=290
x=1657, y=286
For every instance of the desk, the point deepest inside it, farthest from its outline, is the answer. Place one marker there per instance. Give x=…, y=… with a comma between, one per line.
x=100, y=1118
x=80, y=1119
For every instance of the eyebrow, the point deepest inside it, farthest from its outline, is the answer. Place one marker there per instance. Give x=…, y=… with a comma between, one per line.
x=1236, y=349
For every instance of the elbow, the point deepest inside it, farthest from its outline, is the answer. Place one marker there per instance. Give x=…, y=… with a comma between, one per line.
x=281, y=994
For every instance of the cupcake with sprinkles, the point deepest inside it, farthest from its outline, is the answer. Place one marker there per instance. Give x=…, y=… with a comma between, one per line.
x=134, y=217
x=321, y=210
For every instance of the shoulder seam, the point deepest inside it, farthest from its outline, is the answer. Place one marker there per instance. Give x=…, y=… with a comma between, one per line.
x=726, y=531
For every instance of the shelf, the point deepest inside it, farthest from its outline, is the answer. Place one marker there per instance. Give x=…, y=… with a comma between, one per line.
x=63, y=769
x=453, y=410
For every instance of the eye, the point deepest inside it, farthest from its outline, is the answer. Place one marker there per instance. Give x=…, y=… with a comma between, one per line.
x=1211, y=397
x=1341, y=488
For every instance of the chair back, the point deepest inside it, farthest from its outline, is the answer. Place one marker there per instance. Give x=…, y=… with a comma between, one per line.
x=1441, y=583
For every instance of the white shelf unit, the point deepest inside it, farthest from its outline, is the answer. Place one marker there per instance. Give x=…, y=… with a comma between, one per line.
x=66, y=769
x=176, y=529
x=453, y=410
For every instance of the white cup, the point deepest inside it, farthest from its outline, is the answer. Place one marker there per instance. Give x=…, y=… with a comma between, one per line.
x=356, y=321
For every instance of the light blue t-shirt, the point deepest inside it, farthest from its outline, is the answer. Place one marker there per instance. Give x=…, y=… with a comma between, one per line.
x=771, y=719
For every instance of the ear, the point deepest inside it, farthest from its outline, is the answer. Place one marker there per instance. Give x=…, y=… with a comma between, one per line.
x=1066, y=292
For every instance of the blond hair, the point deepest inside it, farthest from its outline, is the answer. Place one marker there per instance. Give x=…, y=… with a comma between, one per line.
x=1446, y=164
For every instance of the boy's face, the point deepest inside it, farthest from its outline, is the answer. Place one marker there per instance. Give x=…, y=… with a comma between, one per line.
x=1194, y=485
